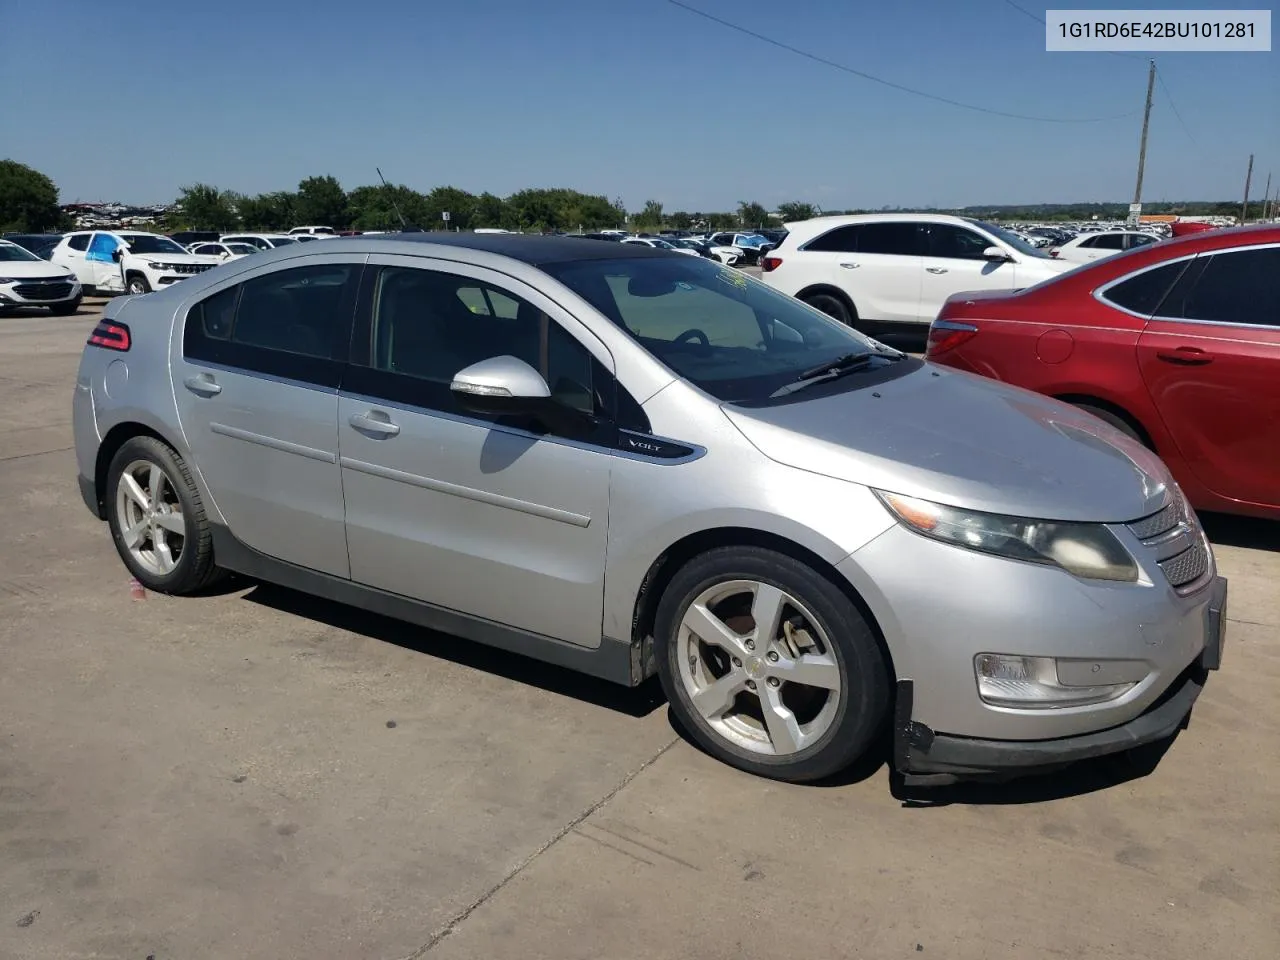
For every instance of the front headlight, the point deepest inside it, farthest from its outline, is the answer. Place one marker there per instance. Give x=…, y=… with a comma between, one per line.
x=156, y=265
x=1085, y=549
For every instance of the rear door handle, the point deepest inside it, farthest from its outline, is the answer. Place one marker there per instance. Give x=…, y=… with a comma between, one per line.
x=374, y=422
x=935, y=269
x=1186, y=356
x=203, y=384
x=851, y=266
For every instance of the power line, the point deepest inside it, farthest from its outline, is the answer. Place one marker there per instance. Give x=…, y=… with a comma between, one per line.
x=1040, y=20
x=889, y=83
x=1174, y=107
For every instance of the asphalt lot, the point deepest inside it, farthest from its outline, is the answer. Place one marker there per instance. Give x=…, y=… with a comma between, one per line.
x=260, y=774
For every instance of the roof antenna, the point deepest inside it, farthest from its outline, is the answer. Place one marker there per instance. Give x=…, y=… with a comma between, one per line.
x=391, y=194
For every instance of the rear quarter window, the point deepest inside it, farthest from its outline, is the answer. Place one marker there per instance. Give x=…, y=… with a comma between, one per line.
x=1143, y=292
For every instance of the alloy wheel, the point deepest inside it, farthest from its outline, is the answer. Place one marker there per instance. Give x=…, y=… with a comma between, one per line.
x=149, y=516
x=758, y=667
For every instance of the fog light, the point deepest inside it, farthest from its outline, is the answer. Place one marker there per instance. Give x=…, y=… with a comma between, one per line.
x=1032, y=683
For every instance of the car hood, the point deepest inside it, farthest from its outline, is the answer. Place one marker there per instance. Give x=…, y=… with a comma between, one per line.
x=965, y=441
x=177, y=257
x=34, y=268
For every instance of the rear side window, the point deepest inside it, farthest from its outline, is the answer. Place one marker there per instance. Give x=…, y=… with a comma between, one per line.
x=80, y=242
x=840, y=240
x=1143, y=292
x=291, y=323
x=900, y=239
x=1109, y=241
x=1240, y=287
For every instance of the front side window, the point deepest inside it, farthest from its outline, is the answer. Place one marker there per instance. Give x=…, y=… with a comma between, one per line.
x=956, y=243
x=1140, y=240
x=102, y=247
x=732, y=336
x=429, y=325
x=1238, y=287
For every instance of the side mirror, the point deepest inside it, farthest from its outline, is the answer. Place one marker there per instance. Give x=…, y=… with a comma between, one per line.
x=501, y=385
x=117, y=253
x=994, y=253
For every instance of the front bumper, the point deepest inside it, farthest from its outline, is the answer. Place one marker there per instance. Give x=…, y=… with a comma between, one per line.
x=29, y=294
x=920, y=751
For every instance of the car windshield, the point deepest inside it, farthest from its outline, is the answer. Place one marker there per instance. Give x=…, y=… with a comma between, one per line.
x=241, y=249
x=1012, y=239
x=281, y=241
x=662, y=244
x=146, y=243
x=731, y=335
x=11, y=252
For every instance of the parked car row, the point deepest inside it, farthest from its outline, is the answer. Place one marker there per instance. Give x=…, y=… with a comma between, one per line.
x=29, y=281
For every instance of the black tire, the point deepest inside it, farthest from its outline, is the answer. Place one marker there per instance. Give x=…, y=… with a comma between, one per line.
x=195, y=568
x=136, y=284
x=865, y=679
x=833, y=307
x=1119, y=422
x=66, y=309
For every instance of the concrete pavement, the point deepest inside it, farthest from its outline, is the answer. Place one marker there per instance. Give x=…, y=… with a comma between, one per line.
x=261, y=774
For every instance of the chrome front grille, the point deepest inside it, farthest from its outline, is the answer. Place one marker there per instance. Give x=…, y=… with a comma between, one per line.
x=192, y=268
x=1174, y=538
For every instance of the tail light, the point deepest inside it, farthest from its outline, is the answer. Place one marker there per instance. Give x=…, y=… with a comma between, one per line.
x=111, y=335
x=770, y=263
x=1054, y=253
x=946, y=335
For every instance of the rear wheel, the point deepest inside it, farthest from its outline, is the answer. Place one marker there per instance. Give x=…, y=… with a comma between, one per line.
x=137, y=284
x=768, y=665
x=157, y=518
x=833, y=307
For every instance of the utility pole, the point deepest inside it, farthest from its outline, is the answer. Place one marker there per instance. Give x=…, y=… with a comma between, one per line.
x=1266, y=196
x=1142, y=150
x=1244, y=208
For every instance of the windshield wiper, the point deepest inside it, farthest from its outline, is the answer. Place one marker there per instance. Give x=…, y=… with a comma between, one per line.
x=831, y=370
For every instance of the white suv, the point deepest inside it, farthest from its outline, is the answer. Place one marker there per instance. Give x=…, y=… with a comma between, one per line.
x=886, y=273
x=127, y=262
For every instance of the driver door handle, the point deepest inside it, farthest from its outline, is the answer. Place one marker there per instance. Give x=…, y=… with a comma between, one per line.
x=374, y=424
x=851, y=266
x=203, y=384
x=935, y=269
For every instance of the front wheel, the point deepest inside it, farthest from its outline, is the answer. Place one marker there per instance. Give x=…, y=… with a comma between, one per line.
x=157, y=518
x=769, y=666
x=137, y=285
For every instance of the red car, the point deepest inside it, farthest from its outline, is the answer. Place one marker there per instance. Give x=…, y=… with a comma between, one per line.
x=1175, y=343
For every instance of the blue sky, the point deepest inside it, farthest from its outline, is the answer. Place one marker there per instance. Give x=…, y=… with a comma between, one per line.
x=630, y=98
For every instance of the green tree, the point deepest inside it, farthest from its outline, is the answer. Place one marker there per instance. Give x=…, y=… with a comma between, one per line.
x=796, y=210
x=204, y=207
x=460, y=205
x=28, y=199
x=650, y=217
x=752, y=214
x=489, y=211
x=680, y=220
x=722, y=221
x=380, y=208
x=321, y=201
x=268, y=211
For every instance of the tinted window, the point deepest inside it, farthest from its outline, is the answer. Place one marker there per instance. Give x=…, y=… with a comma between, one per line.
x=1240, y=287
x=901, y=239
x=1088, y=243
x=839, y=240
x=733, y=336
x=291, y=323
x=1109, y=241
x=79, y=242
x=430, y=325
x=956, y=243
x=1139, y=240
x=1143, y=293
x=145, y=243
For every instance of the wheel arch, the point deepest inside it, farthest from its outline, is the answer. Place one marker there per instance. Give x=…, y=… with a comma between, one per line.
x=1116, y=409
x=680, y=553
x=112, y=441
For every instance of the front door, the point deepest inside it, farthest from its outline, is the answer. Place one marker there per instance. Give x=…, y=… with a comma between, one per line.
x=492, y=518
x=1211, y=360
x=256, y=370
x=953, y=263
x=102, y=266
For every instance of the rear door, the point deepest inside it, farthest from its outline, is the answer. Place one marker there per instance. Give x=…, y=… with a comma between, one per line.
x=879, y=266
x=256, y=371
x=954, y=262
x=1210, y=358
x=70, y=253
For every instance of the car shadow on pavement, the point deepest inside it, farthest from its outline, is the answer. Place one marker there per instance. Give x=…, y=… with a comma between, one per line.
x=633, y=701
x=1225, y=529
x=1085, y=776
